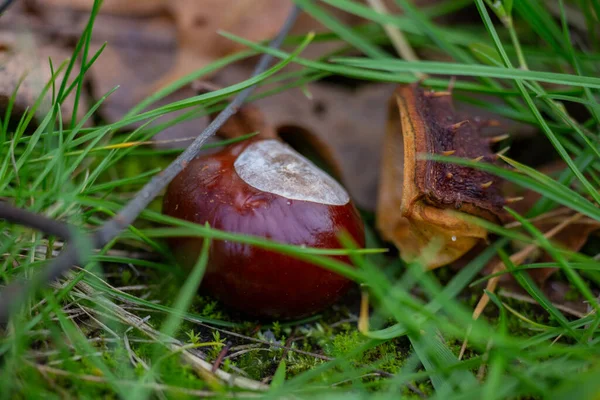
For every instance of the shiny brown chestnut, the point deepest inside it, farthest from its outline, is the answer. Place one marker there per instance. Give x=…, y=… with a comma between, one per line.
x=264, y=188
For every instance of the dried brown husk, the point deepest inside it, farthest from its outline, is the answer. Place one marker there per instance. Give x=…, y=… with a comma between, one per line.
x=423, y=200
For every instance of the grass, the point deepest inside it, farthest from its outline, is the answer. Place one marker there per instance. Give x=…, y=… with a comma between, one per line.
x=129, y=325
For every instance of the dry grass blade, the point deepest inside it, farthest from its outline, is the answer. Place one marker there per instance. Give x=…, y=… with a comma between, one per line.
x=44, y=369
x=530, y=300
x=203, y=368
x=400, y=43
x=558, y=213
x=517, y=259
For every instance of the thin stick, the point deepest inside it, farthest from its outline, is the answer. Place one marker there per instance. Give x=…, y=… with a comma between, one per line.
x=16, y=293
x=154, y=386
x=5, y=6
x=40, y=222
x=220, y=357
x=531, y=300
x=403, y=48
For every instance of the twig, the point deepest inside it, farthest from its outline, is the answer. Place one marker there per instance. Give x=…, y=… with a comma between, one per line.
x=396, y=36
x=530, y=300
x=36, y=221
x=76, y=358
x=133, y=358
x=16, y=293
x=220, y=358
x=5, y=6
x=153, y=386
x=251, y=339
x=558, y=213
x=242, y=352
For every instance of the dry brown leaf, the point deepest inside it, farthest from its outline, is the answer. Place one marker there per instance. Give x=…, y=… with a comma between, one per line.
x=142, y=51
x=198, y=24
x=25, y=65
x=421, y=200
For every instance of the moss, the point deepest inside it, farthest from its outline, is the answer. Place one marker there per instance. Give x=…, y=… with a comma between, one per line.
x=259, y=363
x=126, y=276
x=298, y=363
x=386, y=356
x=208, y=307
x=173, y=372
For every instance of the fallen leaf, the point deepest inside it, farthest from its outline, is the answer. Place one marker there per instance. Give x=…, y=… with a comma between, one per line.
x=198, y=24
x=145, y=45
x=25, y=64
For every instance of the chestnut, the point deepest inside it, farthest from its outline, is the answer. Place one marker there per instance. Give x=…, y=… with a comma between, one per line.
x=263, y=187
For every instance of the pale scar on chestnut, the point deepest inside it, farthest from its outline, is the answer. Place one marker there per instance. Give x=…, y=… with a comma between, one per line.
x=274, y=167
x=421, y=200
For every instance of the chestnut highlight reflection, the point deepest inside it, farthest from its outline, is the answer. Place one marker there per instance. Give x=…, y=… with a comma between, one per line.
x=264, y=188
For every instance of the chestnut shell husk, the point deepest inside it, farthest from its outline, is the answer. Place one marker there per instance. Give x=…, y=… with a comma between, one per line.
x=255, y=281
